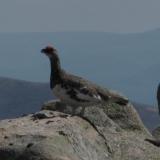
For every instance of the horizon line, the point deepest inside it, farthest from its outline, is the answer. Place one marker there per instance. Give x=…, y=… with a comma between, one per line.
x=82, y=31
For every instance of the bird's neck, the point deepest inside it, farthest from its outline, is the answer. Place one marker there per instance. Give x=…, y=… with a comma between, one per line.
x=56, y=71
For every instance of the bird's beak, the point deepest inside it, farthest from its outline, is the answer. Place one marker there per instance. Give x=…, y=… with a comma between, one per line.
x=42, y=51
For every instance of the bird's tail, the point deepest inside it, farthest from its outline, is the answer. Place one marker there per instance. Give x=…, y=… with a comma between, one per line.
x=118, y=98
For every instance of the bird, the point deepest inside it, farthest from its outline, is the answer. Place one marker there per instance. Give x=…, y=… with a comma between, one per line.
x=74, y=90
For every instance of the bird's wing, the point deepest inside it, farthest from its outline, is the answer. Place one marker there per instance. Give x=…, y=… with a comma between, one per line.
x=93, y=92
x=89, y=93
x=84, y=89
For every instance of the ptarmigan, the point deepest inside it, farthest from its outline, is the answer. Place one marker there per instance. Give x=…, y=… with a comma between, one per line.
x=74, y=90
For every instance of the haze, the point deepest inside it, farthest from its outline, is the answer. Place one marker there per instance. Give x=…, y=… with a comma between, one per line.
x=84, y=15
x=133, y=59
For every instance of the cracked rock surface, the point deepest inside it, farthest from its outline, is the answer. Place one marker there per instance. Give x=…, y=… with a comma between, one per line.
x=60, y=132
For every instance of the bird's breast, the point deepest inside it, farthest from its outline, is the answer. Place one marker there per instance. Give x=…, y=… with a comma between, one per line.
x=59, y=92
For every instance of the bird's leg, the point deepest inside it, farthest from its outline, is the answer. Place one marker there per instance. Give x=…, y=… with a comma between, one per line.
x=82, y=111
x=50, y=105
x=74, y=108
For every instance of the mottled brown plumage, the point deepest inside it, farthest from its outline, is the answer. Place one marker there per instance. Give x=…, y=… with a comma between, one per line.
x=75, y=90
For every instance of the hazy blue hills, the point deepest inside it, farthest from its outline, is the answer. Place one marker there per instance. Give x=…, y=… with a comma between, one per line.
x=125, y=62
x=148, y=114
x=21, y=97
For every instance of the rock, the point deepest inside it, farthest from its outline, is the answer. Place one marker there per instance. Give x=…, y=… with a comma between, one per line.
x=124, y=116
x=60, y=132
x=156, y=133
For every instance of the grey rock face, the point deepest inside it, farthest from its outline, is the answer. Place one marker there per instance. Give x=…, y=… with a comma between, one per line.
x=60, y=132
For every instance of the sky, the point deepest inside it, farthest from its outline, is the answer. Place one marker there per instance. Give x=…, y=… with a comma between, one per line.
x=120, y=16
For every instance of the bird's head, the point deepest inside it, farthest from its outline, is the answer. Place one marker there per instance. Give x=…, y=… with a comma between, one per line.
x=49, y=51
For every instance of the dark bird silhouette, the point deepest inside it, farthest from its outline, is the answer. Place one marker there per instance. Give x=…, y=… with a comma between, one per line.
x=74, y=90
x=158, y=97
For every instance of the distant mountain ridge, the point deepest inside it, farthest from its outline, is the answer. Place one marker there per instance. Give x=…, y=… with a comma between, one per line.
x=149, y=115
x=19, y=97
